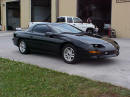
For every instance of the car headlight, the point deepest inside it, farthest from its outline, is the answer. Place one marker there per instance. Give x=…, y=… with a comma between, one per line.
x=98, y=46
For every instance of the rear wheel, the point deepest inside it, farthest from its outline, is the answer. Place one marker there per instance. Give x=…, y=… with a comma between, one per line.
x=23, y=47
x=70, y=54
x=89, y=31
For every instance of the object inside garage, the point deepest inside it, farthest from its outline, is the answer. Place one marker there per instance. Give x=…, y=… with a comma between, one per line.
x=13, y=15
x=98, y=10
x=41, y=11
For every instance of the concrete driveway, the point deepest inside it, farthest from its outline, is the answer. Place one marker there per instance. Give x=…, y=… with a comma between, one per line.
x=113, y=70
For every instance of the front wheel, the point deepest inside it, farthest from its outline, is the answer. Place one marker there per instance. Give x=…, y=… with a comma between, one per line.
x=23, y=47
x=70, y=54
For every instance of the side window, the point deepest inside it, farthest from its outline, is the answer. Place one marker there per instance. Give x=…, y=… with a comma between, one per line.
x=41, y=29
x=77, y=20
x=69, y=20
x=61, y=19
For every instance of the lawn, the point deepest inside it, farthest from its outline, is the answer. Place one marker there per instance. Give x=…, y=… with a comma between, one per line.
x=24, y=80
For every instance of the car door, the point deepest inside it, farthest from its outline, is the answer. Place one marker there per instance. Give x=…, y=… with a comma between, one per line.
x=37, y=35
x=44, y=42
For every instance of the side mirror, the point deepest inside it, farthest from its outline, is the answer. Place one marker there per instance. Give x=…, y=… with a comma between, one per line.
x=49, y=33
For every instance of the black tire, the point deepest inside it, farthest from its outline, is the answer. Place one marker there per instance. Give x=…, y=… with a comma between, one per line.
x=75, y=59
x=90, y=31
x=26, y=49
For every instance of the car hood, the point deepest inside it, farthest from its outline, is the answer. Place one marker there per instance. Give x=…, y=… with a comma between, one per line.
x=86, y=39
x=91, y=40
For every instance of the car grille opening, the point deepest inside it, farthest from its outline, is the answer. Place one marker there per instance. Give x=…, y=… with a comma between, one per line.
x=110, y=52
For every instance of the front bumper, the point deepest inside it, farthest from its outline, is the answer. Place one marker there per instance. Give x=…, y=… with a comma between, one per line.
x=102, y=54
x=15, y=41
x=105, y=54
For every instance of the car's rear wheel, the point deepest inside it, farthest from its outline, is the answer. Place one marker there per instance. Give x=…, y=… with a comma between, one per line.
x=90, y=31
x=70, y=54
x=23, y=47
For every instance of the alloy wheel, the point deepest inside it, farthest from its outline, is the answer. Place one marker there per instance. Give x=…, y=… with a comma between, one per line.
x=22, y=47
x=69, y=54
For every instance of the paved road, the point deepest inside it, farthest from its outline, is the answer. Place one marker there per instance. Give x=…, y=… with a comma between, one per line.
x=113, y=70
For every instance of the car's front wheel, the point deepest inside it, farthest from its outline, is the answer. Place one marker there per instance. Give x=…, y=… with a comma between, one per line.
x=23, y=47
x=70, y=54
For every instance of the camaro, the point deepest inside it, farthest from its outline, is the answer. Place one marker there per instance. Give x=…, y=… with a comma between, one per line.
x=65, y=40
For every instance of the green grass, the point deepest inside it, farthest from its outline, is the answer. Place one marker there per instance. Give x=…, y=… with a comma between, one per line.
x=24, y=80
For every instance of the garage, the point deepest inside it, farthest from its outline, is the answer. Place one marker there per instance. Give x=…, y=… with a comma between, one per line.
x=41, y=11
x=13, y=15
x=98, y=10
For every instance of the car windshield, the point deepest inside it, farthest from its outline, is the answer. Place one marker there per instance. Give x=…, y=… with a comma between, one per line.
x=62, y=28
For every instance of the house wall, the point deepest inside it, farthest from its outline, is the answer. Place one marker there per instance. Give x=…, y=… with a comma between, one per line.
x=25, y=8
x=67, y=7
x=121, y=18
x=54, y=10
x=3, y=13
x=25, y=15
x=120, y=13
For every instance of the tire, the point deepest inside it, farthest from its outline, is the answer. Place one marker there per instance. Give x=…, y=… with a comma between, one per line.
x=90, y=31
x=70, y=54
x=23, y=49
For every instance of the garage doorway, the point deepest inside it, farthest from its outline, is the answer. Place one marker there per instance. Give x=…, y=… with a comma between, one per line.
x=41, y=11
x=98, y=10
x=13, y=15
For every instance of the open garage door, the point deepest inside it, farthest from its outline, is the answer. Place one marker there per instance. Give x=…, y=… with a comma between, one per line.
x=98, y=10
x=41, y=11
x=13, y=15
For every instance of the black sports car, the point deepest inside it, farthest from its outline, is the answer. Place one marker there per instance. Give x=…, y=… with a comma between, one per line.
x=65, y=40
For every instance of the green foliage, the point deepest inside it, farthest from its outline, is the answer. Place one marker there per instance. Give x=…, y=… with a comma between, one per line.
x=24, y=80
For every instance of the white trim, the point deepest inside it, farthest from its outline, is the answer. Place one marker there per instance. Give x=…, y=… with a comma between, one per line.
x=12, y=0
